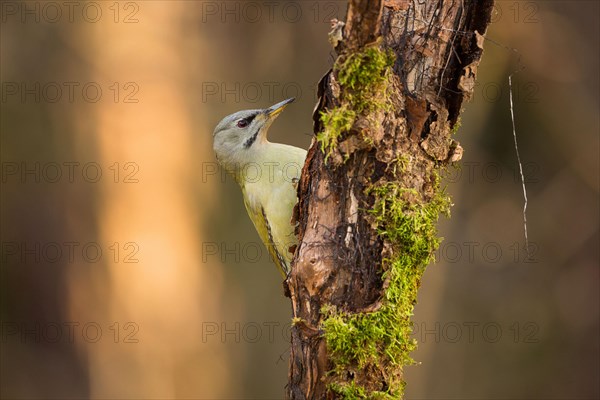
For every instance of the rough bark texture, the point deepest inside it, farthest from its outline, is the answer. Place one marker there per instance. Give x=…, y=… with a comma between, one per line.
x=343, y=255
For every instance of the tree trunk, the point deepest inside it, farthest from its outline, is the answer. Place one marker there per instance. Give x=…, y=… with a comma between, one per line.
x=369, y=195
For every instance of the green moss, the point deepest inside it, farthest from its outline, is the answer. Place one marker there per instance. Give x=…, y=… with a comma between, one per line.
x=400, y=164
x=335, y=122
x=381, y=339
x=456, y=127
x=363, y=79
x=352, y=391
x=365, y=68
x=349, y=391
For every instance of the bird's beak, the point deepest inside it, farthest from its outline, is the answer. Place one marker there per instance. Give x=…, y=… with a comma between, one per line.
x=275, y=109
x=269, y=115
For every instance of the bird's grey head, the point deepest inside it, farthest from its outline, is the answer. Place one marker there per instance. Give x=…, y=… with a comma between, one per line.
x=239, y=133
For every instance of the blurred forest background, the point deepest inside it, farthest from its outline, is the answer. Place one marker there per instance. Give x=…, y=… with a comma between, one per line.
x=131, y=271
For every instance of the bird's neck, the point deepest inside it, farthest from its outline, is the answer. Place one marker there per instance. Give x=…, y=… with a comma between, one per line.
x=250, y=163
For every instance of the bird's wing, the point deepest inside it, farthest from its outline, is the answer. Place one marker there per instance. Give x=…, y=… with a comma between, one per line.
x=264, y=228
x=282, y=196
x=270, y=202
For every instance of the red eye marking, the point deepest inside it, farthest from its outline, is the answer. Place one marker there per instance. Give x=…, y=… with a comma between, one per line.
x=242, y=123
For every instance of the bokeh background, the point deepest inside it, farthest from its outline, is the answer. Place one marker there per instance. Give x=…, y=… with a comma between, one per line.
x=131, y=271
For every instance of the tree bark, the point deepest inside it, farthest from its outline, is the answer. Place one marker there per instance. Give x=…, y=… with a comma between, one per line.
x=366, y=188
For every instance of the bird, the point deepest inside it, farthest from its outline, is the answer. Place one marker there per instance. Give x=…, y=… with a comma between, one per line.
x=267, y=174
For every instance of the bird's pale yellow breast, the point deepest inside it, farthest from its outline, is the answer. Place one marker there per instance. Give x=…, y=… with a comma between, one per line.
x=269, y=188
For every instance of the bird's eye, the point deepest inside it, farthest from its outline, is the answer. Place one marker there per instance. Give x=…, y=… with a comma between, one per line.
x=242, y=123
